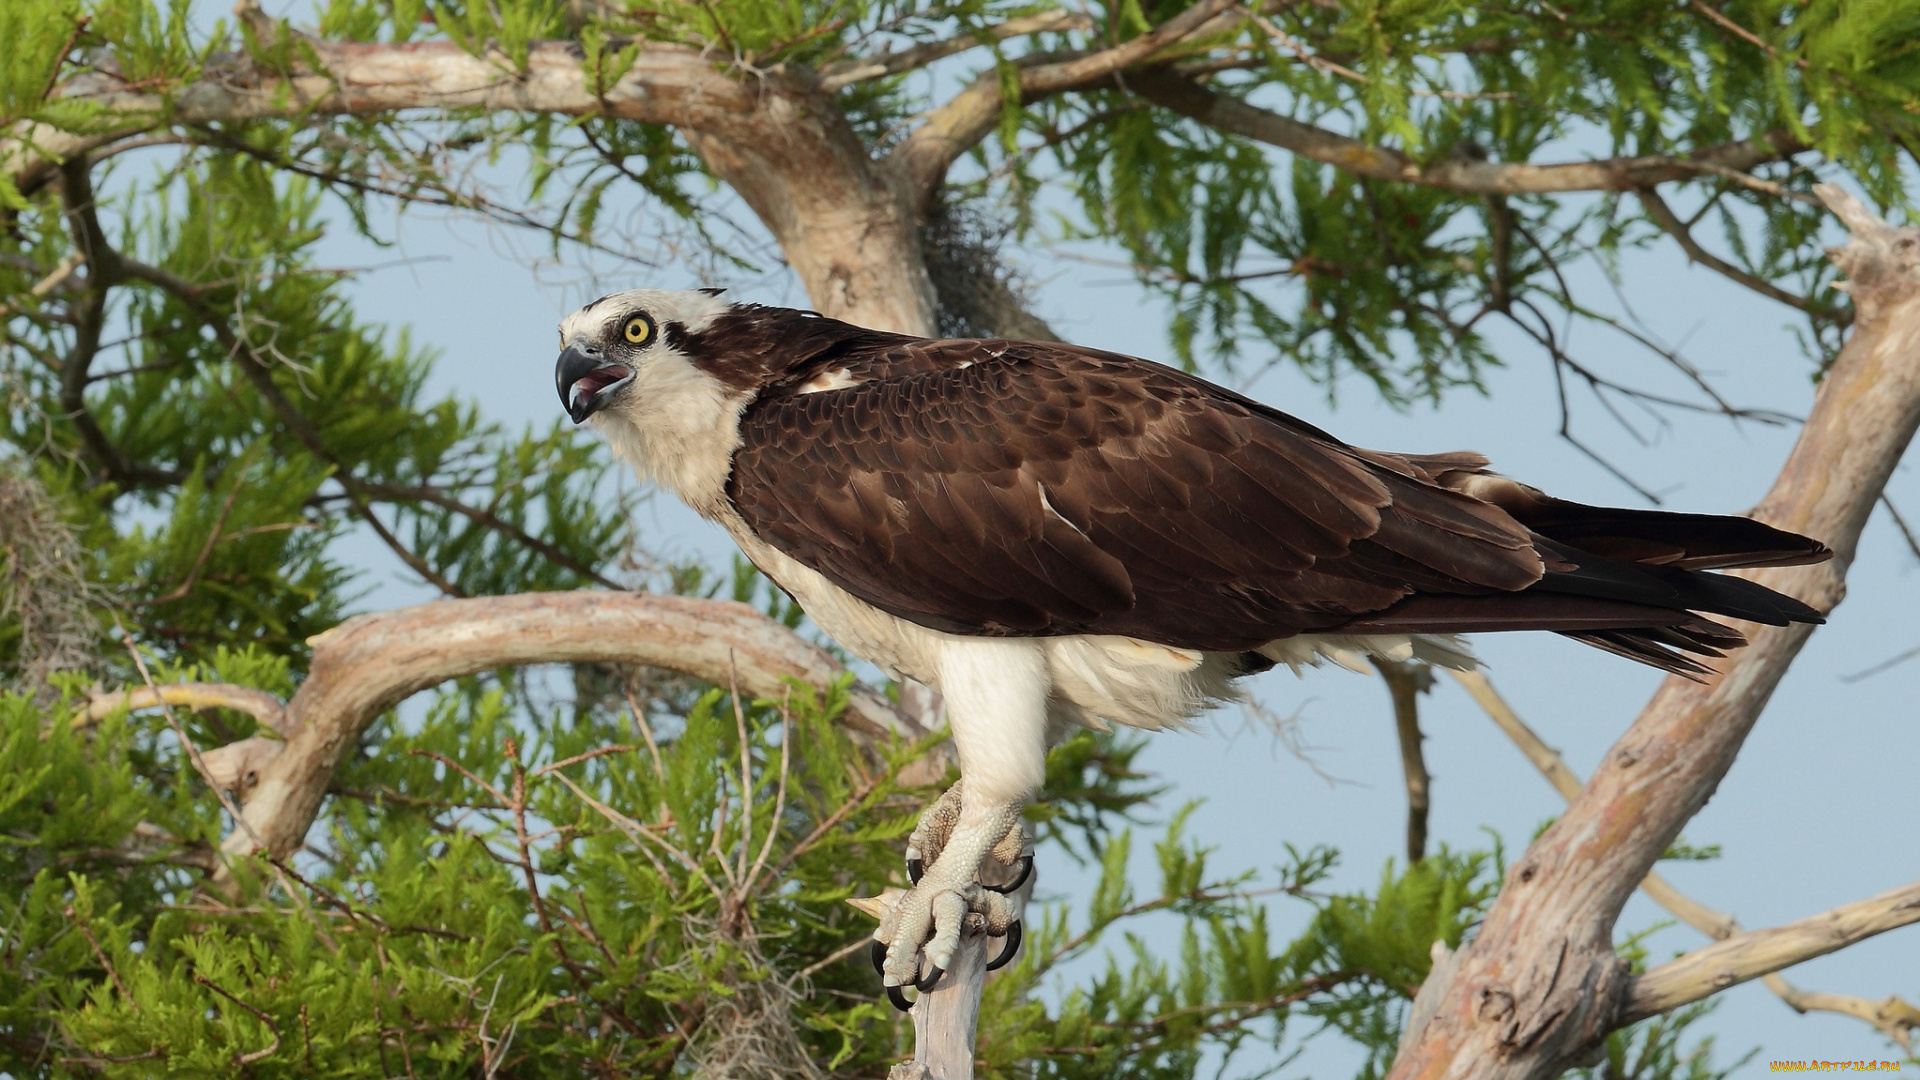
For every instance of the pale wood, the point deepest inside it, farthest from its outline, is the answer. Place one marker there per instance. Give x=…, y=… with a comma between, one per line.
x=1894, y=1017
x=1707, y=971
x=259, y=704
x=371, y=663
x=1540, y=986
x=946, y=1019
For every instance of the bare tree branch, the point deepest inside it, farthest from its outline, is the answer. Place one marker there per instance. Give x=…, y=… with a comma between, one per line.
x=667, y=84
x=1405, y=683
x=949, y=131
x=1541, y=983
x=1670, y=222
x=1893, y=1017
x=368, y=664
x=1705, y=972
x=848, y=72
x=259, y=704
x=1227, y=113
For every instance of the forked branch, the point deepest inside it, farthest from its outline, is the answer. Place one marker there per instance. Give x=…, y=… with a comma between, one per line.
x=1541, y=984
x=1893, y=1017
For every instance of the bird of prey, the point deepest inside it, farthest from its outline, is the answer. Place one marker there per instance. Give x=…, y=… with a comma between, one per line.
x=1054, y=536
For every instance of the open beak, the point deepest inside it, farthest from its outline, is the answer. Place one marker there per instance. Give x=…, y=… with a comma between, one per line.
x=586, y=382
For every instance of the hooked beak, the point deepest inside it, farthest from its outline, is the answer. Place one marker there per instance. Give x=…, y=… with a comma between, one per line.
x=587, y=381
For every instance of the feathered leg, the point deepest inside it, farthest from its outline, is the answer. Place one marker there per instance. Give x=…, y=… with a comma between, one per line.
x=996, y=694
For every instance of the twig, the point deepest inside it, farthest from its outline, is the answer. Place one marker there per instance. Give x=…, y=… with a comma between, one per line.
x=1739, y=31
x=250, y=1057
x=100, y=954
x=860, y=944
x=847, y=72
x=746, y=772
x=1899, y=522
x=213, y=534
x=779, y=799
x=1405, y=682
x=1883, y=665
x=1663, y=216
x=646, y=732
x=58, y=276
x=617, y=748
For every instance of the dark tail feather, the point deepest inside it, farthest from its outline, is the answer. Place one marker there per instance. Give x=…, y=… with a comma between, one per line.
x=1577, y=572
x=1635, y=645
x=1646, y=537
x=1627, y=581
x=1681, y=541
x=1645, y=613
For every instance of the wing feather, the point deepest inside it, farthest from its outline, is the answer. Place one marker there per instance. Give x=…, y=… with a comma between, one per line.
x=1019, y=488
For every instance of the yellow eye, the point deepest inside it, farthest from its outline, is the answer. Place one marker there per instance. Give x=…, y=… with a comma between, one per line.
x=637, y=330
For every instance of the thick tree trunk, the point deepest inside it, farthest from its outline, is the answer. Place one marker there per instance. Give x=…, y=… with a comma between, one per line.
x=845, y=227
x=1540, y=986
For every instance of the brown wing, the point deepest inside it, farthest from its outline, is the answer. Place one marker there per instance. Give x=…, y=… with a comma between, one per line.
x=1008, y=488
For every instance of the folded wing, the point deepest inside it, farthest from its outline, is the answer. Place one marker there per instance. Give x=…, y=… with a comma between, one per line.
x=1022, y=489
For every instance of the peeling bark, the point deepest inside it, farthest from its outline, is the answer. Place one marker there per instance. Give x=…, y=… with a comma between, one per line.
x=1540, y=986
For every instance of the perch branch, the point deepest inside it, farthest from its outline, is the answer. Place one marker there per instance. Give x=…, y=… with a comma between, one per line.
x=371, y=663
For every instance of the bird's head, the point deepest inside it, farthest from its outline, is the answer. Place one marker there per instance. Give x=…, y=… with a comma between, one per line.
x=618, y=348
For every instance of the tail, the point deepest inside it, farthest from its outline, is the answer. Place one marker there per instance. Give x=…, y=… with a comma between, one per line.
x=1632, y=582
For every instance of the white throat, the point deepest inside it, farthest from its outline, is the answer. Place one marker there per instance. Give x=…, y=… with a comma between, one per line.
x=678, y=427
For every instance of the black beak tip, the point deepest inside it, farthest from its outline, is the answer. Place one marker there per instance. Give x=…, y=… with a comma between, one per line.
x=573, y=366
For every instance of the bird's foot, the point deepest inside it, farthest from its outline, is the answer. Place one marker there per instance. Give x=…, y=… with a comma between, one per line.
x=944, y=855
x=934, y=831
x=971, y=909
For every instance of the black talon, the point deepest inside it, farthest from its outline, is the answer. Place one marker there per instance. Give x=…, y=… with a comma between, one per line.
x=1012, y=947
x=916, y=869
x=1026, y=871
x=930, y=980
x=898, y=996
x=878, y=954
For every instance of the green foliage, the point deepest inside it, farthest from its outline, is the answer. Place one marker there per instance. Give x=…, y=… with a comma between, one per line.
x=236, y=422
x=626, y=898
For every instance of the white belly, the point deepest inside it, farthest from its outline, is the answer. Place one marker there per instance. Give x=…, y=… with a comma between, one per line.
x=1096, y=680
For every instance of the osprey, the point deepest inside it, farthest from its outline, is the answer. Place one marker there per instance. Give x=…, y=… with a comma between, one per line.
x=1054, y=536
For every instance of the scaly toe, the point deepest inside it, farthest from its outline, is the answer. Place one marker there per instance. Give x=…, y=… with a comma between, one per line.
x=949, y=915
